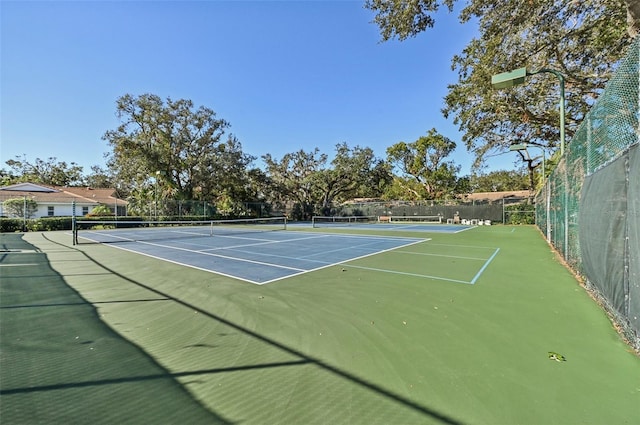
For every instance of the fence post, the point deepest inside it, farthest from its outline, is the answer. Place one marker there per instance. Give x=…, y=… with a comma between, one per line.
x=74, y=230
x=24, y=213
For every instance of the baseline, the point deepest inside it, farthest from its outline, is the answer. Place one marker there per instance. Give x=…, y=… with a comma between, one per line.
x=267, y=260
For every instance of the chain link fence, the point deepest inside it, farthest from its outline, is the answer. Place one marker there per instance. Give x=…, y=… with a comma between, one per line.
x=513, y=210
x=589, y=206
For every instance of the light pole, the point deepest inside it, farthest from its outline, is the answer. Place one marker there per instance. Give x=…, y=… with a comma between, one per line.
x=517, y=76
x=24, y=213
x=523, y=147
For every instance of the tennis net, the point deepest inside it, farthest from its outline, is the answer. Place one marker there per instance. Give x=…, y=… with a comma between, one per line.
x=330, y=221
x=112, y=231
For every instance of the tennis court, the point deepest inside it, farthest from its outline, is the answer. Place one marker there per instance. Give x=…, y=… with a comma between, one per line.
x=396, y=334
x=255, y=255
x=431, y=224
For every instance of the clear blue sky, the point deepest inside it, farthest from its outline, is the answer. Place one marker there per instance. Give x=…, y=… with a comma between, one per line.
x=287, y=75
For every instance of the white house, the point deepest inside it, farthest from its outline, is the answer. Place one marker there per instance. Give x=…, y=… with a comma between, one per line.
x=56, y=201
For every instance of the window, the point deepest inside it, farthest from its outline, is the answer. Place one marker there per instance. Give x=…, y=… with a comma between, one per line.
x=50, y=211
x=85, y=210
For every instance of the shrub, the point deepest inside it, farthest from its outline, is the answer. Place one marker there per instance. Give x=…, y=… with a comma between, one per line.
x=520, y=214
x=11, y=225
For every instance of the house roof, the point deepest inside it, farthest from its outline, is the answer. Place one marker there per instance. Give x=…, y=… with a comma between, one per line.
x=59, y=194
x=27, y=187
x=103, y=196
x=494, y=196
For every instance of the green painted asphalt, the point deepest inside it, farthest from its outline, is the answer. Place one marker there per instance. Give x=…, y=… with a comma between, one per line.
x=402, y=337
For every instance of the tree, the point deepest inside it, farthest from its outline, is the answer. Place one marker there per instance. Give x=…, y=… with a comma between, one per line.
x=294, y=179
x=404, y=188
x=425, y=161
x=403, y=19
x=581, y=39
x=500, y=181
x=170, y=149
x=354, y=172
x=304, y=179
x=225, y=174
x=258, y=192
x=20, y=207
x=633, y=17
x=99, y=178
x=48, y=171
x=7, y=177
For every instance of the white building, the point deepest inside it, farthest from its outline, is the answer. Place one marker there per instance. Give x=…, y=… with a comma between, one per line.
x=56, y=201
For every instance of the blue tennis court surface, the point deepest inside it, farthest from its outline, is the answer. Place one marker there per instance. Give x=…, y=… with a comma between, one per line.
x=257, y=258
x=396, y=227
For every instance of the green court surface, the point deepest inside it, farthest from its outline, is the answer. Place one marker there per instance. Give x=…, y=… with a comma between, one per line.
x=453, y=330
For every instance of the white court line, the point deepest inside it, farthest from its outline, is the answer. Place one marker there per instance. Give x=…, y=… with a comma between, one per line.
x=123, y=233
x=269, y=242
x=432, y=229
x=477, y=276
x=408, y=274
x=184, y=264
x=207, y=247
x=472, y=282
x=247, y=238
x=309, y=257
x=201, y=253
x=463, y=246
x=345, y=261
x=222, y=256
x=465, y=229
x=362, y=246
x=204, y=253
x=441, y=255
x=298, y=270
x=18, y=265
x=360, y=235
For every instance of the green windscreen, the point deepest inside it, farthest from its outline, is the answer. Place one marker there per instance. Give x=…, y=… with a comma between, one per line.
x=588, y=207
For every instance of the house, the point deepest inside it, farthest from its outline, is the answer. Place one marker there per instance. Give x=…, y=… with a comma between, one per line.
x=56, y=201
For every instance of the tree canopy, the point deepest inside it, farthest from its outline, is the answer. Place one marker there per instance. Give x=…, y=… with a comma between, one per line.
x=404, y=19
x=294, y=178
x=583, y=40
x=165, y=151
x=49, y=171
x=314, y=186
x=500, y=181
x=175, y=147
x=425, y=161
x=354, y=172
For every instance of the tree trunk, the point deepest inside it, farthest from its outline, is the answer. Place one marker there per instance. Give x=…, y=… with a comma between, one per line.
x=633, y=17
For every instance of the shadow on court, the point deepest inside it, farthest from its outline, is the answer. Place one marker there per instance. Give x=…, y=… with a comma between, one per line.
x=61, y=364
